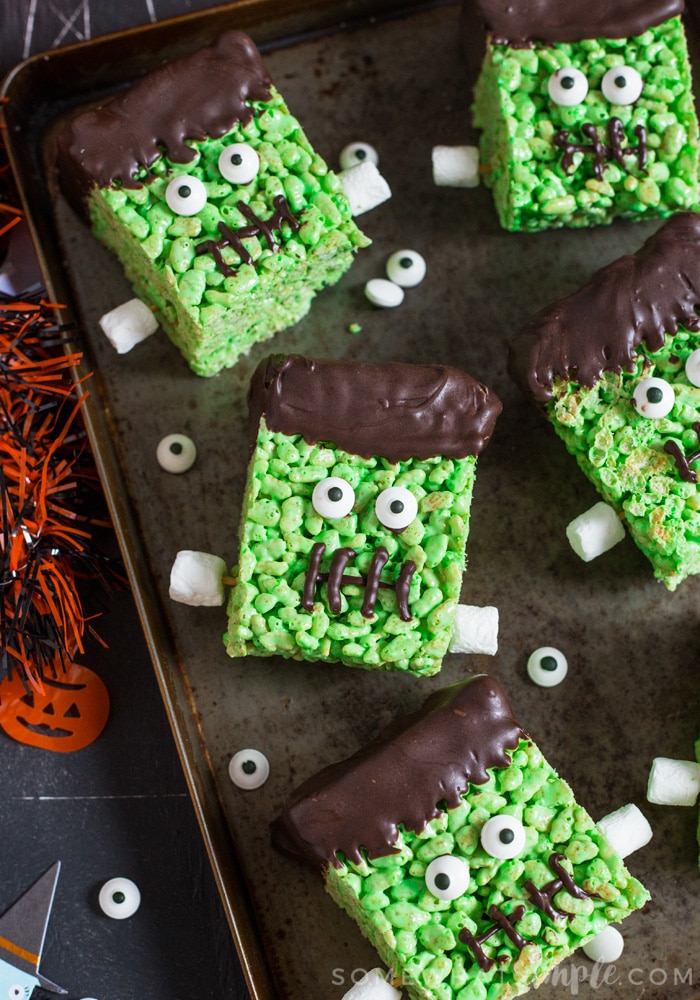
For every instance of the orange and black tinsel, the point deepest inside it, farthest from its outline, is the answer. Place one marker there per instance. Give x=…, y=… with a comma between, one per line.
x=48, y=485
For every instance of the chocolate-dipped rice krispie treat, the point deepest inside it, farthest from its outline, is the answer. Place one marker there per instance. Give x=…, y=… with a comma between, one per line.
x=205, y=186
x=461, y=854
x=616, y=369
x=356, y=511
x=586, y=111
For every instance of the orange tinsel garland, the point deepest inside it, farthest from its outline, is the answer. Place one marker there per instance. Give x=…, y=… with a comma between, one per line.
x=44, y=472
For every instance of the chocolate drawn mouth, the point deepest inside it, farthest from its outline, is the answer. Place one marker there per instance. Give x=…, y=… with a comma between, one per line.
x=258, y=227
x=336, y=578
x=602, y=153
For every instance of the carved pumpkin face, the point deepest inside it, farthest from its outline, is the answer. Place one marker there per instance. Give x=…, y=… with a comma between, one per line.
x=68, y=714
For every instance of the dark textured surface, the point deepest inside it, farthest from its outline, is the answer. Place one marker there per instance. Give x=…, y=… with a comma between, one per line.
x=633, y=685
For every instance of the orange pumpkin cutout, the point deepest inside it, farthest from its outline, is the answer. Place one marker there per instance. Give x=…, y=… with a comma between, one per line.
x=66, y=714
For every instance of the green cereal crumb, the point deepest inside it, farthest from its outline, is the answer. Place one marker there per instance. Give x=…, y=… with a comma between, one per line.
x=355, y=328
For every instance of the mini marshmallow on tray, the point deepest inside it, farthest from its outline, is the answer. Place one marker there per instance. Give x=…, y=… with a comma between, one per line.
x=372, y=986
x=475, y=630
x=197, y=579
x=364, y=187
x=128, y=324
x=626, y=829
x=673, y=782
x=595, y=531
x=456, y=166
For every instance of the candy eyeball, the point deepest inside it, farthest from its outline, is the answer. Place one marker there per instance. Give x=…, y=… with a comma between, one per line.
x=17, y=993
x=249, y=769
x=333, y=497
x=406, y=268
x=692, y=368
x=396, y=507
x=654, y=398
x=503, y=837
x=357, y=152
x=119, y=898
x=622, y=85
x=447, y=877
x=384, y=293
x=547, y=666
x=239, y=163
x=176, y=453
x=186, y=195
x=567, y=87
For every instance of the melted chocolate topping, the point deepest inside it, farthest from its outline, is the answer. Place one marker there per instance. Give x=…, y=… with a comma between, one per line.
x=203, y=94
x=638, y=298
x=515, y=23
x=399, y=411
x=601, y=152
x=502, y=922
x=421, y=763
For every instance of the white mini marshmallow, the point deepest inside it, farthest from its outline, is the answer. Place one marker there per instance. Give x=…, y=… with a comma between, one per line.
x=128, y=324
x=475, y=630
x=605, y=947
x=372, y=986
x=626, y=830
x=364, y=187
x=673, y=782
x=456, y=166
x=384, y=293
x=196, y=578
x=595, y=531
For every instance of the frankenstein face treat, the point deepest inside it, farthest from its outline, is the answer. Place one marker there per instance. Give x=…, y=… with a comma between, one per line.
x=615, y=368
x=206, y=188
x=458, y=850
x=586, y=111
x=356, y=511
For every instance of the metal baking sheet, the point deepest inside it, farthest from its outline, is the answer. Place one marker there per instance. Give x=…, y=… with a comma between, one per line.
x=395, y=79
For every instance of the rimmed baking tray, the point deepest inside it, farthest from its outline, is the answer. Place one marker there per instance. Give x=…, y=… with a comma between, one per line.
x=392, y=75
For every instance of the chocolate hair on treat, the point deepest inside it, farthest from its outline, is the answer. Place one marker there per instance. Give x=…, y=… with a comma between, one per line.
x=396, y=410
x=636, y=299
x=512, y=23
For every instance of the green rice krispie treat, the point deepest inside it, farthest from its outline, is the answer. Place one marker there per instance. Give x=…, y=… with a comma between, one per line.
x=204, y=185
x=586, y=111
x=356, y=511
x=461, y=854
x=616, y=368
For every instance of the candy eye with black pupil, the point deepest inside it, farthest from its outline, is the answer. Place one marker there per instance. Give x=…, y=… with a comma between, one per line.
x=176, y=453
x=622, y=85
x=119, y=898
x=249, y=769
x=447, y=877
x=406, y=268
x=654, y=398
x=186, y=195
x=239, y=163
x=503, y=837
x=547, y=666
x=357, y=152
x=396, y=507
x=333, y=497
x=567, y=87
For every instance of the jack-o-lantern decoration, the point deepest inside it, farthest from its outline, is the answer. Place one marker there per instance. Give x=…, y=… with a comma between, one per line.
x=61, y=714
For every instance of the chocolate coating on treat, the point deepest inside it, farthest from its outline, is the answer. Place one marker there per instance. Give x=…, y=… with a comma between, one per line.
x=202, y=95
x=420, y=764
x=516, y=23
x=395, y=410
x=637, y=299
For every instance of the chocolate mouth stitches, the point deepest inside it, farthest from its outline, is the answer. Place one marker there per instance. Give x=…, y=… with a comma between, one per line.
x=540, y=898
x=602, y=153
x=258, y=227
x=336, y=578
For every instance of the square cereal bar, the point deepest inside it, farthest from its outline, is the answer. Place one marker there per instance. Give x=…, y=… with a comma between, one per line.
x=616, y=368
x=206, y=188
x=356, y=511
x=586, y=111
x=460, y=853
